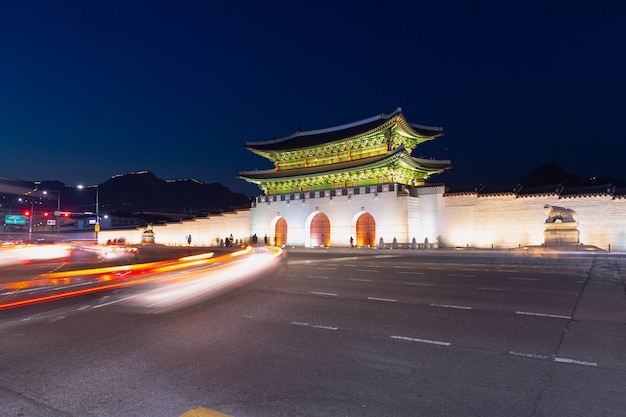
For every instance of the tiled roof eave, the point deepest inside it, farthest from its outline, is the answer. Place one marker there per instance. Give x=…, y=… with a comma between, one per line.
x=399, y=154
x=336, y=134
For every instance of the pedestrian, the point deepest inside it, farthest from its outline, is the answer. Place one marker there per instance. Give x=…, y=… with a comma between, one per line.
x=351, y=242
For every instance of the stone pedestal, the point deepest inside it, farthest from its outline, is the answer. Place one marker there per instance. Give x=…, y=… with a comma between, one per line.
x=561, y=234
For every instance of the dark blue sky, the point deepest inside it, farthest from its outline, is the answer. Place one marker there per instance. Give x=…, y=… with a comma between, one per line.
x=91, y=89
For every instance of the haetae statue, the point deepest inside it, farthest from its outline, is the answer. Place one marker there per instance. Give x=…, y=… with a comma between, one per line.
x=559, y=213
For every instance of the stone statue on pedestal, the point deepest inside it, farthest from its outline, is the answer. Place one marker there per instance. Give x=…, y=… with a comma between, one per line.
x=563, y=233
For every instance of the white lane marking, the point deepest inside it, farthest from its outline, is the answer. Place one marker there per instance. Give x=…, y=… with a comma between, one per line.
x=382, y=299
x=323, y=293
x=528, y=355
x=367, y=270
x=412, y=339
x=316, y=326
x=360, y=280
x=524, y=279
x=434, y=267
x=492, y=289
x=575, y=362
x=469, y=269
x=317, y=277
x=114, y=302
x=462, y=275
x=418, y=283
x=451, y=306
x=402, y=267
x=556, y=316
x=412, y=272
x=326, y=268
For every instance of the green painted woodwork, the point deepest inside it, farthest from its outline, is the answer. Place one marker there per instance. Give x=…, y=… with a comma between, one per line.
x=386, y=139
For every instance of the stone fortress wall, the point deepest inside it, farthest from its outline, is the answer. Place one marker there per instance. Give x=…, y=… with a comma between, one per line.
x=463, y=220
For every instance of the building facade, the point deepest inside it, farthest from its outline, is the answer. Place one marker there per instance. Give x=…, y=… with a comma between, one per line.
x=358, y=183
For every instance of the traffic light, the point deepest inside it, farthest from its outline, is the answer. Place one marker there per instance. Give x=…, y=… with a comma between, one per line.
x=27, y=213
x=46, y=214
x=66, y=214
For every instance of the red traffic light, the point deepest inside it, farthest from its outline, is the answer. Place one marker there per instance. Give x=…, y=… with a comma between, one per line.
x=46, y=214
x=66, y=214
x=27, y=213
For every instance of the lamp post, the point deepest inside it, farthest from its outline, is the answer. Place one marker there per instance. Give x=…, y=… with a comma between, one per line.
x=97, y=225
x=58, y=212
x=30, y=219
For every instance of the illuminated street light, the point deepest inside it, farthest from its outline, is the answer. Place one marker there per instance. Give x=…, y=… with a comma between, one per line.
x=29, y=214
x=58, y=212
x=97, y=225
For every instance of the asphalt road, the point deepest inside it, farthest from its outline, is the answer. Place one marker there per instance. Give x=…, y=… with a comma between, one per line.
x=339, y=333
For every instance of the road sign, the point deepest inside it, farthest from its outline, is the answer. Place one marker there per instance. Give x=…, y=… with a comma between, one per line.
x=14, y=219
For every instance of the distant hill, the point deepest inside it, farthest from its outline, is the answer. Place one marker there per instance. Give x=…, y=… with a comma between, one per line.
x=553, y=173
x=144, y=192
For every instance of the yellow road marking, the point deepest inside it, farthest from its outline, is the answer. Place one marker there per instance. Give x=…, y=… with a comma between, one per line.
x=203, y=412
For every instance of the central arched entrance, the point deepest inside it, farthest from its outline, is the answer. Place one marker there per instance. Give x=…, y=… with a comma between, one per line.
x=366, y=230
x=280, y=232
x=320, y=231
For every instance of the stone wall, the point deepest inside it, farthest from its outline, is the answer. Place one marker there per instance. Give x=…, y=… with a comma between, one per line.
x=205, y=231
x=509, y=221
x=465, y=220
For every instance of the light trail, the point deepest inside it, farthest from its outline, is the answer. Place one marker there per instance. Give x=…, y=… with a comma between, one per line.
x=201, y=270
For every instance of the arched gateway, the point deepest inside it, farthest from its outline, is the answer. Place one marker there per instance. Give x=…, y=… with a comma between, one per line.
x=319, y=234
x=365, y=230
x=280, y=232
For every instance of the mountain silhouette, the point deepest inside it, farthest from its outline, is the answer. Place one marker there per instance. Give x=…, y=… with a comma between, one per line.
x=553, y=173
x=145, y=192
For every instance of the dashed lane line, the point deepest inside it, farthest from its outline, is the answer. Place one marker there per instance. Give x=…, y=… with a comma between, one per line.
x=451, y=306
x=330, y=294
x=575, y=362
x=315, y=326
x=556, y=359
x=555, y=316
x=413, y=339
x=391, y=300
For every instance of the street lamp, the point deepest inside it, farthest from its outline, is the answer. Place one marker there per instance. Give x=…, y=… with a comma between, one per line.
x=97, y=225
x=58, y=212
x=30, y=219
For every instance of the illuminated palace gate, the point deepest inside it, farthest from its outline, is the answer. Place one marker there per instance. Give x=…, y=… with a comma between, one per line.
x=364, y=154
x=365, y=230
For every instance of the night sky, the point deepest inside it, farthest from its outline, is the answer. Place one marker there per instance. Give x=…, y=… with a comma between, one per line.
x=92, y=89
